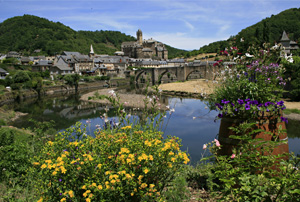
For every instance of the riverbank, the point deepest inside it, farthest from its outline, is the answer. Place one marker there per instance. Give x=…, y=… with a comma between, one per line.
x=201, y=88
x=128, y=99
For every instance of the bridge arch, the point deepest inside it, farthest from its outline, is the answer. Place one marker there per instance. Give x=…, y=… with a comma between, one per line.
x=195, y=74
x=143, y=76
x=167, y=76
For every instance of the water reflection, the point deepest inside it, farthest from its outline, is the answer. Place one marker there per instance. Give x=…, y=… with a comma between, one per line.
x=191, y=121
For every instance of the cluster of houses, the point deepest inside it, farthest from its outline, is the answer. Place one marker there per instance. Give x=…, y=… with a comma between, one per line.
x=75, y=62
x=137, y=54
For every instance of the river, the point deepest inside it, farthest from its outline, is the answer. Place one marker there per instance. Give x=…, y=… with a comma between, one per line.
x=191, y=121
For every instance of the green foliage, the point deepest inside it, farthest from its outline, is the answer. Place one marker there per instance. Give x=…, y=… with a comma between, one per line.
x=72, y=80
x=10, y=61
x=292, y=75
x=252, y=172
x=101, y=78
x=15, y=154
x=177, y=190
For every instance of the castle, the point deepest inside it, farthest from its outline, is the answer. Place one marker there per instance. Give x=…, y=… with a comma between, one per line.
x=144, y=48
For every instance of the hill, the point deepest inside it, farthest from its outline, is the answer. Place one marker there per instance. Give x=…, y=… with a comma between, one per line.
x=267, y=30
x=28, y=33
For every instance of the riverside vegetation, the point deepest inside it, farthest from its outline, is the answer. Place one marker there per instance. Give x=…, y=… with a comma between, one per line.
x=129, y=160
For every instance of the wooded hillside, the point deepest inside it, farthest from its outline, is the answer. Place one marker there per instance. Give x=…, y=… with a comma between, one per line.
x=28, y=33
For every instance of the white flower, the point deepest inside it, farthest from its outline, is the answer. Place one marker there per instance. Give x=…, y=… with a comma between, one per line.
x=168, y=107
x=129, y=115
x=249, y=56
x=112, y=93
x=194, y=118
x=204, y=146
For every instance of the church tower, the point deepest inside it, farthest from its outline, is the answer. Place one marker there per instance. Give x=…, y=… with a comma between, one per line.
x=139, y=36
x=91, y=54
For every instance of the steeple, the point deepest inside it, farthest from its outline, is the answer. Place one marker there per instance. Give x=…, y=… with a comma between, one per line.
x=284, y=37
x=91, y=51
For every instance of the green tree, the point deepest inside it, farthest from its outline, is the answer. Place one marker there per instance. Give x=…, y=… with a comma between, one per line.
x=72, y=80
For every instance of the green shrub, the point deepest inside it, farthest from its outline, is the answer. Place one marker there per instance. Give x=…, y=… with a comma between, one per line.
x=15, y=154
x=117, y=165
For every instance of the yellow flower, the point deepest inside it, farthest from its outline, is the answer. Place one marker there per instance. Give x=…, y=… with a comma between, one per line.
x=63, y=156
x=94, y=184
x=54, y=173
x=99, y=165
x=88, y=200
x=173, y=159
x=48, y=161
x=43, y=166
x=50, y=143
x=63, y=170
x=83, y=187
x=146, y=170
x=40, y=200
x=63, y=199
x=36, y=163
x=49, y=166
x=100, y=187
x=150, y=157
x=71, y=193
x=132, y=194
x=140, y=177
x=126, y=127
x=144, y=185
x=151, y=185
x=75, y=143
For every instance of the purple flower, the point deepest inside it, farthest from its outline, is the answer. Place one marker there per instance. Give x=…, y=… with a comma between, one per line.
x=219, y=106
x=247, y=107
x=220, y=115
x=284, y=119
x=240, y=101
x=280, y=103
x=60, y=180
x=254, y=102
x=267, y=104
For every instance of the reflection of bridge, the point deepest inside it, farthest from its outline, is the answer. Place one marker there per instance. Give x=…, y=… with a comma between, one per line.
x=205, y=70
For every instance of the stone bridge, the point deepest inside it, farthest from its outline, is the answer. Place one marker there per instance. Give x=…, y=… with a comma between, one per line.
x=204, y=70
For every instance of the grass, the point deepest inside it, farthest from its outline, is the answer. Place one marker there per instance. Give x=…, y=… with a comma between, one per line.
x=292, y=111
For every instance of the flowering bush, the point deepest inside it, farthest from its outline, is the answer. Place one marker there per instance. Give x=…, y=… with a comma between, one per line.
x=250, y=90
x=116, y=165
x=249, y=175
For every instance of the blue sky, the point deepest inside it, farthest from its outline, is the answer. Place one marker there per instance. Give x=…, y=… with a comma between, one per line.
x=184, y=24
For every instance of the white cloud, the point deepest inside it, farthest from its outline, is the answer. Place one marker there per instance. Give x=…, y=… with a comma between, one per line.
x=183, y=41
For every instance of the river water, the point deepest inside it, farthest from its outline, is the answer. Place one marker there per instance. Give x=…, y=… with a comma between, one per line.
x=191, y=121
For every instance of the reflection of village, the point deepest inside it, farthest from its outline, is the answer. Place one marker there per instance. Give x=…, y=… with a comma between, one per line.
x=87, y=109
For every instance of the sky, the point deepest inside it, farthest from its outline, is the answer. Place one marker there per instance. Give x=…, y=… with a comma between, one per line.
x=183, y=24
